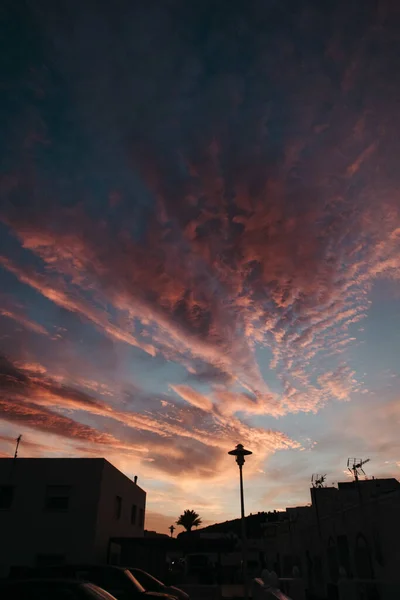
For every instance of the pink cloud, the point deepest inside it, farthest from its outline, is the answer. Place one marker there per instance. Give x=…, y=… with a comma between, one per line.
x=167, y=438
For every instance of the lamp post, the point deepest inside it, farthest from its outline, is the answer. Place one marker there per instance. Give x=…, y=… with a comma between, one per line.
x=240, y=452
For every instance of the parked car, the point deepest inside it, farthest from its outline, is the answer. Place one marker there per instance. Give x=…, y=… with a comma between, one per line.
x=119, y=582
x=151, y=584
x=51, y=589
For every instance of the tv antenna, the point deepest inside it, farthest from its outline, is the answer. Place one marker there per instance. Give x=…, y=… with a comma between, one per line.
x=19, y=438
x=317, y=481
x=355, y=466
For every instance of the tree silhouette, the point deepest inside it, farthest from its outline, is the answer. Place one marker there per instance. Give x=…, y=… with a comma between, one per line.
x=189, y=519
x=172, y=529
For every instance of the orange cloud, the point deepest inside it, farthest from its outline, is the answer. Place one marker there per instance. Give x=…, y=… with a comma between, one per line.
x=192, y=397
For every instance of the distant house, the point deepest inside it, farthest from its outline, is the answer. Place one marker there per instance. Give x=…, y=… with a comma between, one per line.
x=55, y=510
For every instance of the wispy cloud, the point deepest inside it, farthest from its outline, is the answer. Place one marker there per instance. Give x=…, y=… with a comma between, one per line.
x=169, y=437
x=222, y=220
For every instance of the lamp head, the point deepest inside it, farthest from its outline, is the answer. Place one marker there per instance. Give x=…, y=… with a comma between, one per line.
x=240, y=452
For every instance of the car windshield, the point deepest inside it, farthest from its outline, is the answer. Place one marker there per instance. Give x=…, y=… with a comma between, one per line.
x=120, y=583
x=148, y=581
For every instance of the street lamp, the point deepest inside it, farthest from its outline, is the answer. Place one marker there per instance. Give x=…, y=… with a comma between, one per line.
x=240, y=452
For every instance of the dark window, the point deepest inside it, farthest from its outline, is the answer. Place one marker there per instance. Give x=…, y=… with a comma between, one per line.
x=362, y=559
x=6, y=496
x=118, y=507
x=141, y=517
x=57, y=497
x=344, y=553
x=133, y=514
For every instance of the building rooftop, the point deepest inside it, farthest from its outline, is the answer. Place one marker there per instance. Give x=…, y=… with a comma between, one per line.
x=84, y=459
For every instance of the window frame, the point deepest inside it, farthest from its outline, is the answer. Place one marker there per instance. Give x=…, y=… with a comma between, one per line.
x=118, y=507
x=48, y=497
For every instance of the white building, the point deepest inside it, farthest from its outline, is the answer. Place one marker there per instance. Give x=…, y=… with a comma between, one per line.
x=55, y=510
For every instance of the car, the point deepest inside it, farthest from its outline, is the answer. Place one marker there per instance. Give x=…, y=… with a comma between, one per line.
x=51, y=589
x=119, y=582
x=151, y=584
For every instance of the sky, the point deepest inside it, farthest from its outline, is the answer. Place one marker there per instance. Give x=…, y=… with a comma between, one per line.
x=200, y=243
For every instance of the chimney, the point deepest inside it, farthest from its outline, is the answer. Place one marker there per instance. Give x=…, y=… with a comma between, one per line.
x=135, y=479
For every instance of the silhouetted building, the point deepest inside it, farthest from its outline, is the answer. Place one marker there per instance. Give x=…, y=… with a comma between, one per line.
x=349, y=532
x=352, y=530
x=55, y=510
x=147, y=553
x=254, y=524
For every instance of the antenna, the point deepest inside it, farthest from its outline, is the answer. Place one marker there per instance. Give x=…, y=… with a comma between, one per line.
x=355, y=466
x=317, y=481
x=19, y=438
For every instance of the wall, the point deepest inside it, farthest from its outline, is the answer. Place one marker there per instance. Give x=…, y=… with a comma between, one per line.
x=357, y=529
x=114, y=483
x=28, y=529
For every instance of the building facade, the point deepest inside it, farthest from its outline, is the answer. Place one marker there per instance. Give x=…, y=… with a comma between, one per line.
x=351, y=531
x=56, y=510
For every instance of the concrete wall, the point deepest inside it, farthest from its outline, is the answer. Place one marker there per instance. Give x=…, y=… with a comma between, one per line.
x=113, y=484
x=28, y=529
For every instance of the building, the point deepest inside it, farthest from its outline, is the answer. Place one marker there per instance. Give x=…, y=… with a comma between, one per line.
x=351, y=531
x=348, y=537
x=55, y=510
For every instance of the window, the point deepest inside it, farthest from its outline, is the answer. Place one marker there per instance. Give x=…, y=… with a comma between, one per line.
x=141, y=517
x=118, y=507
x=133, y=514
x=6, y=496
x=57, y=497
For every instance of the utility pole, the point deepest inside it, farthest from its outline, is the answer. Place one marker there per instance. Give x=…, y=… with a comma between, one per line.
x=19, y=438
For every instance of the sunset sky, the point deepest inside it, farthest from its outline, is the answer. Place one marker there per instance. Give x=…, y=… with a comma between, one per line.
x=200, y=243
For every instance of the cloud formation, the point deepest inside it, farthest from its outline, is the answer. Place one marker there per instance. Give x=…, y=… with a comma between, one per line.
x=217, y=200
x=175, y=440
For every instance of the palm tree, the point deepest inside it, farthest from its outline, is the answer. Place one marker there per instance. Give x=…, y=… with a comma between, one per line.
x=189, y=519
x=172, y=529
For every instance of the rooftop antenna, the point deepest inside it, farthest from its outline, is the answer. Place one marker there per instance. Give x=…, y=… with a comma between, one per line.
x=355, y=466
x=19, y=438
x=317, y=481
